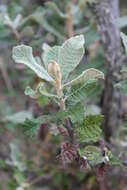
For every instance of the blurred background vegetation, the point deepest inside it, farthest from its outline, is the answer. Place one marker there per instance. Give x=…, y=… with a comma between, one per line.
x=27, y=164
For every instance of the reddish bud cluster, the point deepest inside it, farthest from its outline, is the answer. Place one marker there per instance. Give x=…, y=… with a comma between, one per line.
x=68, y=152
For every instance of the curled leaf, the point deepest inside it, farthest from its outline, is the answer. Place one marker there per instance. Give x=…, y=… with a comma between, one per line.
x=86, y=75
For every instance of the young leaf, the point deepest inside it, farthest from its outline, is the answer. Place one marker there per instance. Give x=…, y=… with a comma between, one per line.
x=70, y=55
x=23, y=54
x=86, y=75
x=32, y=93
x=89, y=130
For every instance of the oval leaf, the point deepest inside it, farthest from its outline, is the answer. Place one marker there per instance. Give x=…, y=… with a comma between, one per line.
x=70, y=55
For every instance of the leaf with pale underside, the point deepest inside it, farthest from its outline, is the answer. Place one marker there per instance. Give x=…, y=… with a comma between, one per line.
x=70, y=55
x=86, y=75
x=23, y=54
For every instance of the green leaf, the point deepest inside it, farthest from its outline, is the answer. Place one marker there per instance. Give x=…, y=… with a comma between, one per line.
x=23, y=54
x=32, y=93
x=76, y=113
x=93, y=155
x=114, y=161
x=70, y=55
x=19, y=117
x=89, y=130
x=124, y=40
x=31, y=126
x=78, y=93
x=86, y=75
x=41, y=90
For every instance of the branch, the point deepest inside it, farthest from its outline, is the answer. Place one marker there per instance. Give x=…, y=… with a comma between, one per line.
x=69, y=21
x=110, y=39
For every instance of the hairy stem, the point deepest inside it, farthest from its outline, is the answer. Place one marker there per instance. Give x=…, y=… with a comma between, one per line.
x=55, y=69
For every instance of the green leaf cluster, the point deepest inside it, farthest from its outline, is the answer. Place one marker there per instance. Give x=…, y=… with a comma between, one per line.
x=68, y=57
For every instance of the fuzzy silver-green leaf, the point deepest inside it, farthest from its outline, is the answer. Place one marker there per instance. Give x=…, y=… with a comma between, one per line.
x=23, y=54
x=86, y=75
x=70, y=55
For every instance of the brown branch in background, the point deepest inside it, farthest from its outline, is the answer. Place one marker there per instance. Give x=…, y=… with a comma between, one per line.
x=5, y=76
x=110, y=38
x=69, y=21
